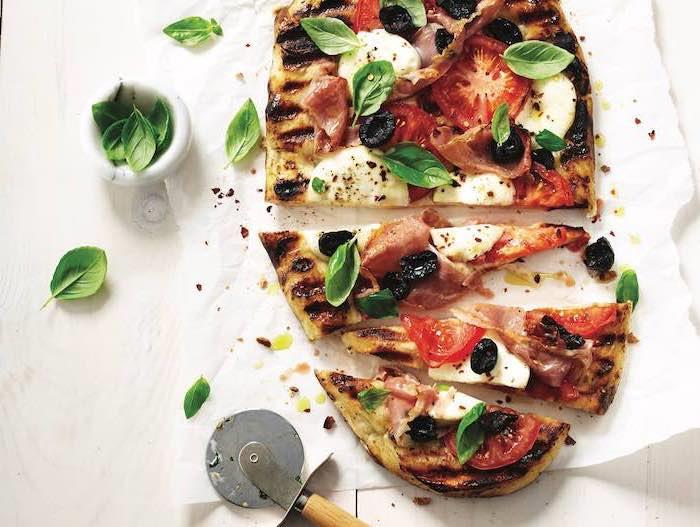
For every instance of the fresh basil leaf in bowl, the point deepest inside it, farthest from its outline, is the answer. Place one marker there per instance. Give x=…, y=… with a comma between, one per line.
x=416, y=166
x=371, y=398
x=627, y=289
x=139, y=141
x=193, y=30
x=537, y=60
x=381, y=304
x=470, y=435
x=112, y=142
x=80, y=273
x=500, y=125
x=107, y=113
x=195, y=397
x=243, y=132
x=415, y=8
x=161, y=120
x=371, y=86
x=550, y=141
x=331, y=35
x=342, y=272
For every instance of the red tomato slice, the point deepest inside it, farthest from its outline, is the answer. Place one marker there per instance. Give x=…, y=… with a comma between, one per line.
x=366, y=16
x=543, y=188
x=568, y=391
x=441, y=341
x=478, y=83
x=588, y=322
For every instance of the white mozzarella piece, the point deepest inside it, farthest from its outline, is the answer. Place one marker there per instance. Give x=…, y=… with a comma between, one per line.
x=551, y=106
x=464, y=244
x=451, y=406
x=480, y=190
x=378, y=44
x=363, y=234
x=510, y=370
x=357, y=176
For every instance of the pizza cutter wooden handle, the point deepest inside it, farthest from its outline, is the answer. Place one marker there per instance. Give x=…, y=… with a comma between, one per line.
x=322, y=513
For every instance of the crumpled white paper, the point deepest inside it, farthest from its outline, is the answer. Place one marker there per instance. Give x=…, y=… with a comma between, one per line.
x=648, y=183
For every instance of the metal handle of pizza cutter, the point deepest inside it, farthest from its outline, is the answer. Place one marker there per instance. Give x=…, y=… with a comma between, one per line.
x=259, y=465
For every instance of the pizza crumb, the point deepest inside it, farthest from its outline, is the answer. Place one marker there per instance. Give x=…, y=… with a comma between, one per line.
x=632, y=338
x=605, y=169
x=269, y=208
x=652, y=135
x=198, y=286
x=422, y=500
x=262, y=283
x=263, y=341
x=253, y=171
x=244, y=232
x=569, y=441
x=239, y=76
x=247, y=44
x=637, y=120
x=216, y=190
x=329, y=422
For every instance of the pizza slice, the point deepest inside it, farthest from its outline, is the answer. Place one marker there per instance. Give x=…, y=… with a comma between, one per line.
x=442, y=440
x=571, y=356
x=418, y=261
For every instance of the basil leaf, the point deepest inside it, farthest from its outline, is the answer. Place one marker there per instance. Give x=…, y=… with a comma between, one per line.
x=107, y=113
x=550, y=141
x=371, y=86
x=80, y=273
x=341, y=275
x=535, y=59
x=627, y=289
x=415, y=8
x=371, y=398
x=161, y=121
x=331, y=35
x=415, y=165
x=500, y=126
x=195, y=396
x=470, y=435
x=381, y=304
x=318, y=185
x=139, y=141
x=193, y=30
x=243, y=132
x=112, y=141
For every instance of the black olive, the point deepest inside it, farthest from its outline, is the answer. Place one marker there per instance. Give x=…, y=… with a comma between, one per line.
x=511, y=150
x=419, y=266
x=579, y=129
x=328, y=242
x=543, y=157
x=484, y=356
x=396, y=283
x=422, y=429
x=504, y=30
x=396, y=20
x=288, y=188
x=377, y=129
x=565, y=41
x=599, y=256
x=458, y=8
x=571, y=340
x=443, y=38
x=496, y=422
x=552, y=328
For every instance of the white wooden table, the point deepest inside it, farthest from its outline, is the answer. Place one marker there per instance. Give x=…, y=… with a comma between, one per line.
x=88, y=402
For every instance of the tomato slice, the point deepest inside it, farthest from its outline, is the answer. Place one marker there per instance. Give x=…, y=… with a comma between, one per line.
x=478, y=83
x=366, y=16
x=588, y=322
x=568, y=392
x=543, y=188
x=441, y=341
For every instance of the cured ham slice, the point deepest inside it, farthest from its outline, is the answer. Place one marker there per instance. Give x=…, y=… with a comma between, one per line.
x=327, y=104
x=392, y=241
x=444, y=287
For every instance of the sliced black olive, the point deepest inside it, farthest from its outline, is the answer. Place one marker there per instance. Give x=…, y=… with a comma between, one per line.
x=543, y=157
x=396, y=20
x=565, y=41
x=496, y=422
x=419, y=266
x=458, y=8
x=377, y=129
x=328, y=242
x=571, y=340
x=288, y=188
x=511, y=150
x=579, y=129
x=553, y=328
x=396, y=283
x=484, y=356
x=504, y=30
x=599, y=256
x=422, y=429
x=443, y=38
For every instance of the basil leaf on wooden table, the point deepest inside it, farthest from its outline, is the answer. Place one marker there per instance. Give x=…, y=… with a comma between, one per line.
x=550, y=141
x=107, y=113
x=381, y=304
x=318, y=185
x=371, y=86
x=342, y=272
x=331, y=35
x=195, y=396
x=139, y=141
x=500, y=125
x=193, y=30
x=415, y=8
x=243, y=132
x=470, y=435
x=371, y=398
x=112, y=141
x=161, y=120
x=535, y=59
x=415, y=165
x=627, y=289
x=80, y=273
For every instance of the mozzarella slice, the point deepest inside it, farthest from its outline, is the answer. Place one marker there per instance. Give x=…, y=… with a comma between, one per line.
x=357, y=176
x=510, y=370
x=551, y=106
x=363, y=234
x=451, y=406
x=482, y=190
x=464, y=244
x=378, y=44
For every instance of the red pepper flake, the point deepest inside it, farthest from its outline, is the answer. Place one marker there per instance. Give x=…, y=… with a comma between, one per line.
x=269, y=208
x=244, y=232
x=652, y=135
x=605, y=169
x=264, y=342
x=422, y=500
x=632, y=338
x=216, y=190
x=253, y=171
x=329, y=422
x=247, y=45
x=637, y=120
x=229, y=193
x=198, y=286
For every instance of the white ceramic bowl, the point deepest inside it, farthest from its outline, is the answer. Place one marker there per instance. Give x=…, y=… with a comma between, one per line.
x=143, y=96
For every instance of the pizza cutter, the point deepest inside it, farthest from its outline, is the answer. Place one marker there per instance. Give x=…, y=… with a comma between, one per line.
x=254, y=459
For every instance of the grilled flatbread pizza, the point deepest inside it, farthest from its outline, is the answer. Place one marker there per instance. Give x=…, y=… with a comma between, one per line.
x=335, y=279
x=571, y=356
x=442, y=440
x=474, y=102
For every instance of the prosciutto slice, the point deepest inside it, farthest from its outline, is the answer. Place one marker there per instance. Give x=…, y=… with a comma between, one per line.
x=327, y=104
x=392, y=241
x=424, y=42
x=443, y=287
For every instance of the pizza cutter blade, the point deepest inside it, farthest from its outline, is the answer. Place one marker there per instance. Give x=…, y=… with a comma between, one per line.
x=254, y=459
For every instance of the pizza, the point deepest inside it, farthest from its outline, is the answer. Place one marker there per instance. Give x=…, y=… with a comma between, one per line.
x=333, y=279
x=571, y=356
x=443, y=440
x=425, y=107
